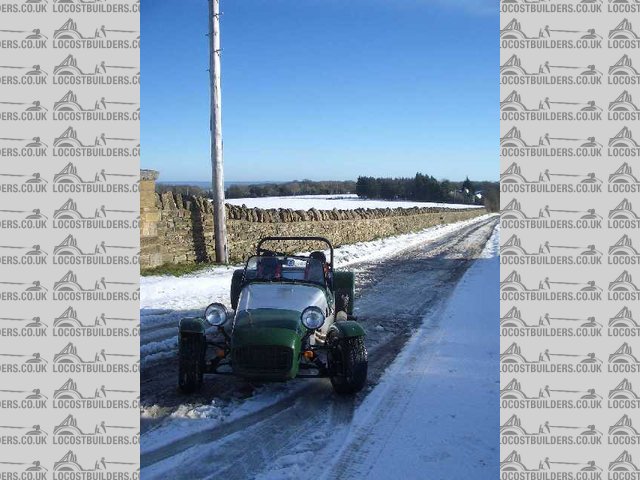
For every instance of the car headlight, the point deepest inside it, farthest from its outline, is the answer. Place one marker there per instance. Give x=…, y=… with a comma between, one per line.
x=312, y=318
x=215, y=314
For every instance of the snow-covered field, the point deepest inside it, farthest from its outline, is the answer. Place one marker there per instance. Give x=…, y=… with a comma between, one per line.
x=329, y=202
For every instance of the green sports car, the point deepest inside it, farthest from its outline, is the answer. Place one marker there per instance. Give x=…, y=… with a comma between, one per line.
x=292, y=317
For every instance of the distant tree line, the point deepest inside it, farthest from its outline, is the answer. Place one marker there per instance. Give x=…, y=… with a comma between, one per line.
x=426, y=188
x=421, y=188
x=285, y=189
x=182, y=189
x=296, y=187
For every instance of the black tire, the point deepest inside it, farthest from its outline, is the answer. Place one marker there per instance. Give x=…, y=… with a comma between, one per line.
x=348, y=364
x=236, y=287
x=191, y=362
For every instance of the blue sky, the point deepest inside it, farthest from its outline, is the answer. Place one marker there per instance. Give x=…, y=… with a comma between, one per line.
x=324, y=89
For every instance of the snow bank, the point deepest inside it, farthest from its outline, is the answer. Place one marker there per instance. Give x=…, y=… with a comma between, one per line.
x=181, y=293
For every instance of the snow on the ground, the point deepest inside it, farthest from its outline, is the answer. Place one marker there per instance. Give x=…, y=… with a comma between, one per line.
x=182, y=422
x=434, y=414
x=386, y=247
x=329, y=202
x=188, y=291
x=437, y=396
x=165, y=299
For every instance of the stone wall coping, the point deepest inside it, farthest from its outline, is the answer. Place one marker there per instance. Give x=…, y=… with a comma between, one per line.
x=149, y=175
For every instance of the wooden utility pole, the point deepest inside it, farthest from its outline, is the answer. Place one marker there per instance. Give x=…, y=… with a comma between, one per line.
x=219, y=212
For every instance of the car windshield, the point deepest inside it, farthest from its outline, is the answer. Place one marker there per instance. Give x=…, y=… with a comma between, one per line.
x=286, y=268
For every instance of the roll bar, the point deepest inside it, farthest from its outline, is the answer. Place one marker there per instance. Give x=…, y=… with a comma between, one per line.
x=260, y=250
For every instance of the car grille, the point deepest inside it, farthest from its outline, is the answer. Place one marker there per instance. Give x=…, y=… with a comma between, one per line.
x=263, y=358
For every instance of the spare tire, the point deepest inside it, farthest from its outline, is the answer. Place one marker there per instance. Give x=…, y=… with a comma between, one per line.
x=236, y=287
x=344, y=286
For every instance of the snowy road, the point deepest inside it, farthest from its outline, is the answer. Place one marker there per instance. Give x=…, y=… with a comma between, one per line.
x=435, y=413
x=236, y=429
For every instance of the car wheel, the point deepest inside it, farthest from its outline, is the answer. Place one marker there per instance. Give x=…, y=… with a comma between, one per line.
x=191, y=362
x=348, y=364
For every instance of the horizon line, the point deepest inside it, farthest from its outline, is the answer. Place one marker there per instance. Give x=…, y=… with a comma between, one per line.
x=256, y=182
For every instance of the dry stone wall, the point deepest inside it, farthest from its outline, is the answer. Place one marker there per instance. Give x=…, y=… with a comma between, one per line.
x=179, y=229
